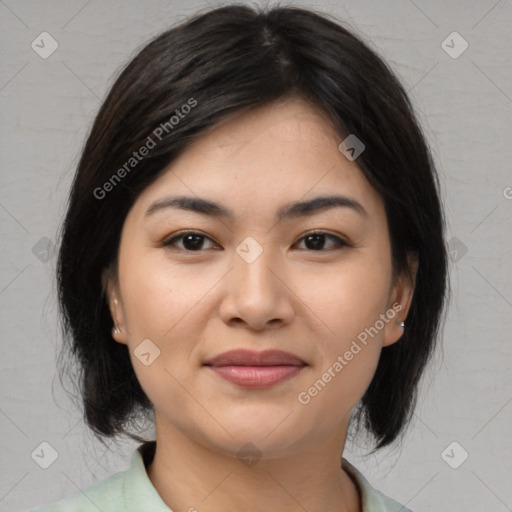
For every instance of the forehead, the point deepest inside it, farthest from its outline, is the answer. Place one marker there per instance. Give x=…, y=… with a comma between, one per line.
x=262, y=159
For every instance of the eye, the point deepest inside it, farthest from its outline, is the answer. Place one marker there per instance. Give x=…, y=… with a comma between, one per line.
x=316, y=239
x=193, y=241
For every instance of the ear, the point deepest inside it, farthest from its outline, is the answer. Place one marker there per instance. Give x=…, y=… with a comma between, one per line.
x=400, y=302
x=115, y=305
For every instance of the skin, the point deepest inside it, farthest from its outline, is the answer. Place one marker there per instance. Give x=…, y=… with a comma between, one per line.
x=305, y=298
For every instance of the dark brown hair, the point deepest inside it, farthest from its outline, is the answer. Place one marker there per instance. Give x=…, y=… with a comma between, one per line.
x=219, y=63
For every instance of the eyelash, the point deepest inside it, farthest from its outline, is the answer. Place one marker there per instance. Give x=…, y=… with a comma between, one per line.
x=340, y=243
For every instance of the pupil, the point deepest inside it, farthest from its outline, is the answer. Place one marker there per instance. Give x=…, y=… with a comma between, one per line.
x=193, y=245
x=318, y=239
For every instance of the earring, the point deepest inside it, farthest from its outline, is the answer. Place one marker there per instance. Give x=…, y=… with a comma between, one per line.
x=401, y=324
x=115, y=329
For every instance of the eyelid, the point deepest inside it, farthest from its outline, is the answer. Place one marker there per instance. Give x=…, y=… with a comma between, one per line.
x=339, y=241
x=168, y=241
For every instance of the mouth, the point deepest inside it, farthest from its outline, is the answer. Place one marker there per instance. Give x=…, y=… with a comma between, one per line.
x=256, y=370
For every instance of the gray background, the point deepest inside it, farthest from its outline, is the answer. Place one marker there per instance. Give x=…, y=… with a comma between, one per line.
x=465, y=105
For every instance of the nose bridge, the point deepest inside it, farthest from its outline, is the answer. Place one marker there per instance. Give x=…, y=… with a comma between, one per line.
x=252, y=268
x=255, y=292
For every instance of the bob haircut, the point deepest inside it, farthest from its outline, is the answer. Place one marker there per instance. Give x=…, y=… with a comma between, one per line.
x=207, y=69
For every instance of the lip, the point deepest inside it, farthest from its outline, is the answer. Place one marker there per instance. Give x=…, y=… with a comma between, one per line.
x=256, y=370
x=244, y=357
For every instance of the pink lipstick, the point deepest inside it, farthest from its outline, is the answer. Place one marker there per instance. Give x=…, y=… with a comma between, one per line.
x=256, y=370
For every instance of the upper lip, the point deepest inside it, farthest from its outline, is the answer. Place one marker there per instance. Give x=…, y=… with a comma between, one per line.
x=245, y=357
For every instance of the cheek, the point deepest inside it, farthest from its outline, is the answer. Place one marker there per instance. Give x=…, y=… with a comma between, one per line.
x=157, y=295
x=341, y=380
x=349, y=304
x=167, y=306
x=348, y=298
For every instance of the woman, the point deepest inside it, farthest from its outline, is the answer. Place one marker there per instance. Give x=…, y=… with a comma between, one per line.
x=254, y=256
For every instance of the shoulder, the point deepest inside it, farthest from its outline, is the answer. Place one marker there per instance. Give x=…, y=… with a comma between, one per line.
x=106, y=496
x=372, y=499
x=126, y=491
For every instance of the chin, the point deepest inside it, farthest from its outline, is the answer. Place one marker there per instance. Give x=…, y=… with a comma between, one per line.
x=269, y=433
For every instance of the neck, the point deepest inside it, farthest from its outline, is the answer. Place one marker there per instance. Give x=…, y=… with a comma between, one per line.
x=192, y=477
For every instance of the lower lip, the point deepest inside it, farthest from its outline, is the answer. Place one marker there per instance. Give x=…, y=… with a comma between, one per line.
x=256, y=377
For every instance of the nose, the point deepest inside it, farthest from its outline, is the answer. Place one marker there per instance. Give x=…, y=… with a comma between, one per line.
x=257, y=295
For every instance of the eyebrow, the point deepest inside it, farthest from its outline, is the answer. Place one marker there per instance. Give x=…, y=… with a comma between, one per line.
x=288, y=211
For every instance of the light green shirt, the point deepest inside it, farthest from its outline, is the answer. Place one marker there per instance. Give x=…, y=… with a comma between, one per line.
x=132, y=491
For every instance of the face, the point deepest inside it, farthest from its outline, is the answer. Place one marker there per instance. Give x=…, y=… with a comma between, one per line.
x=317, y=284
